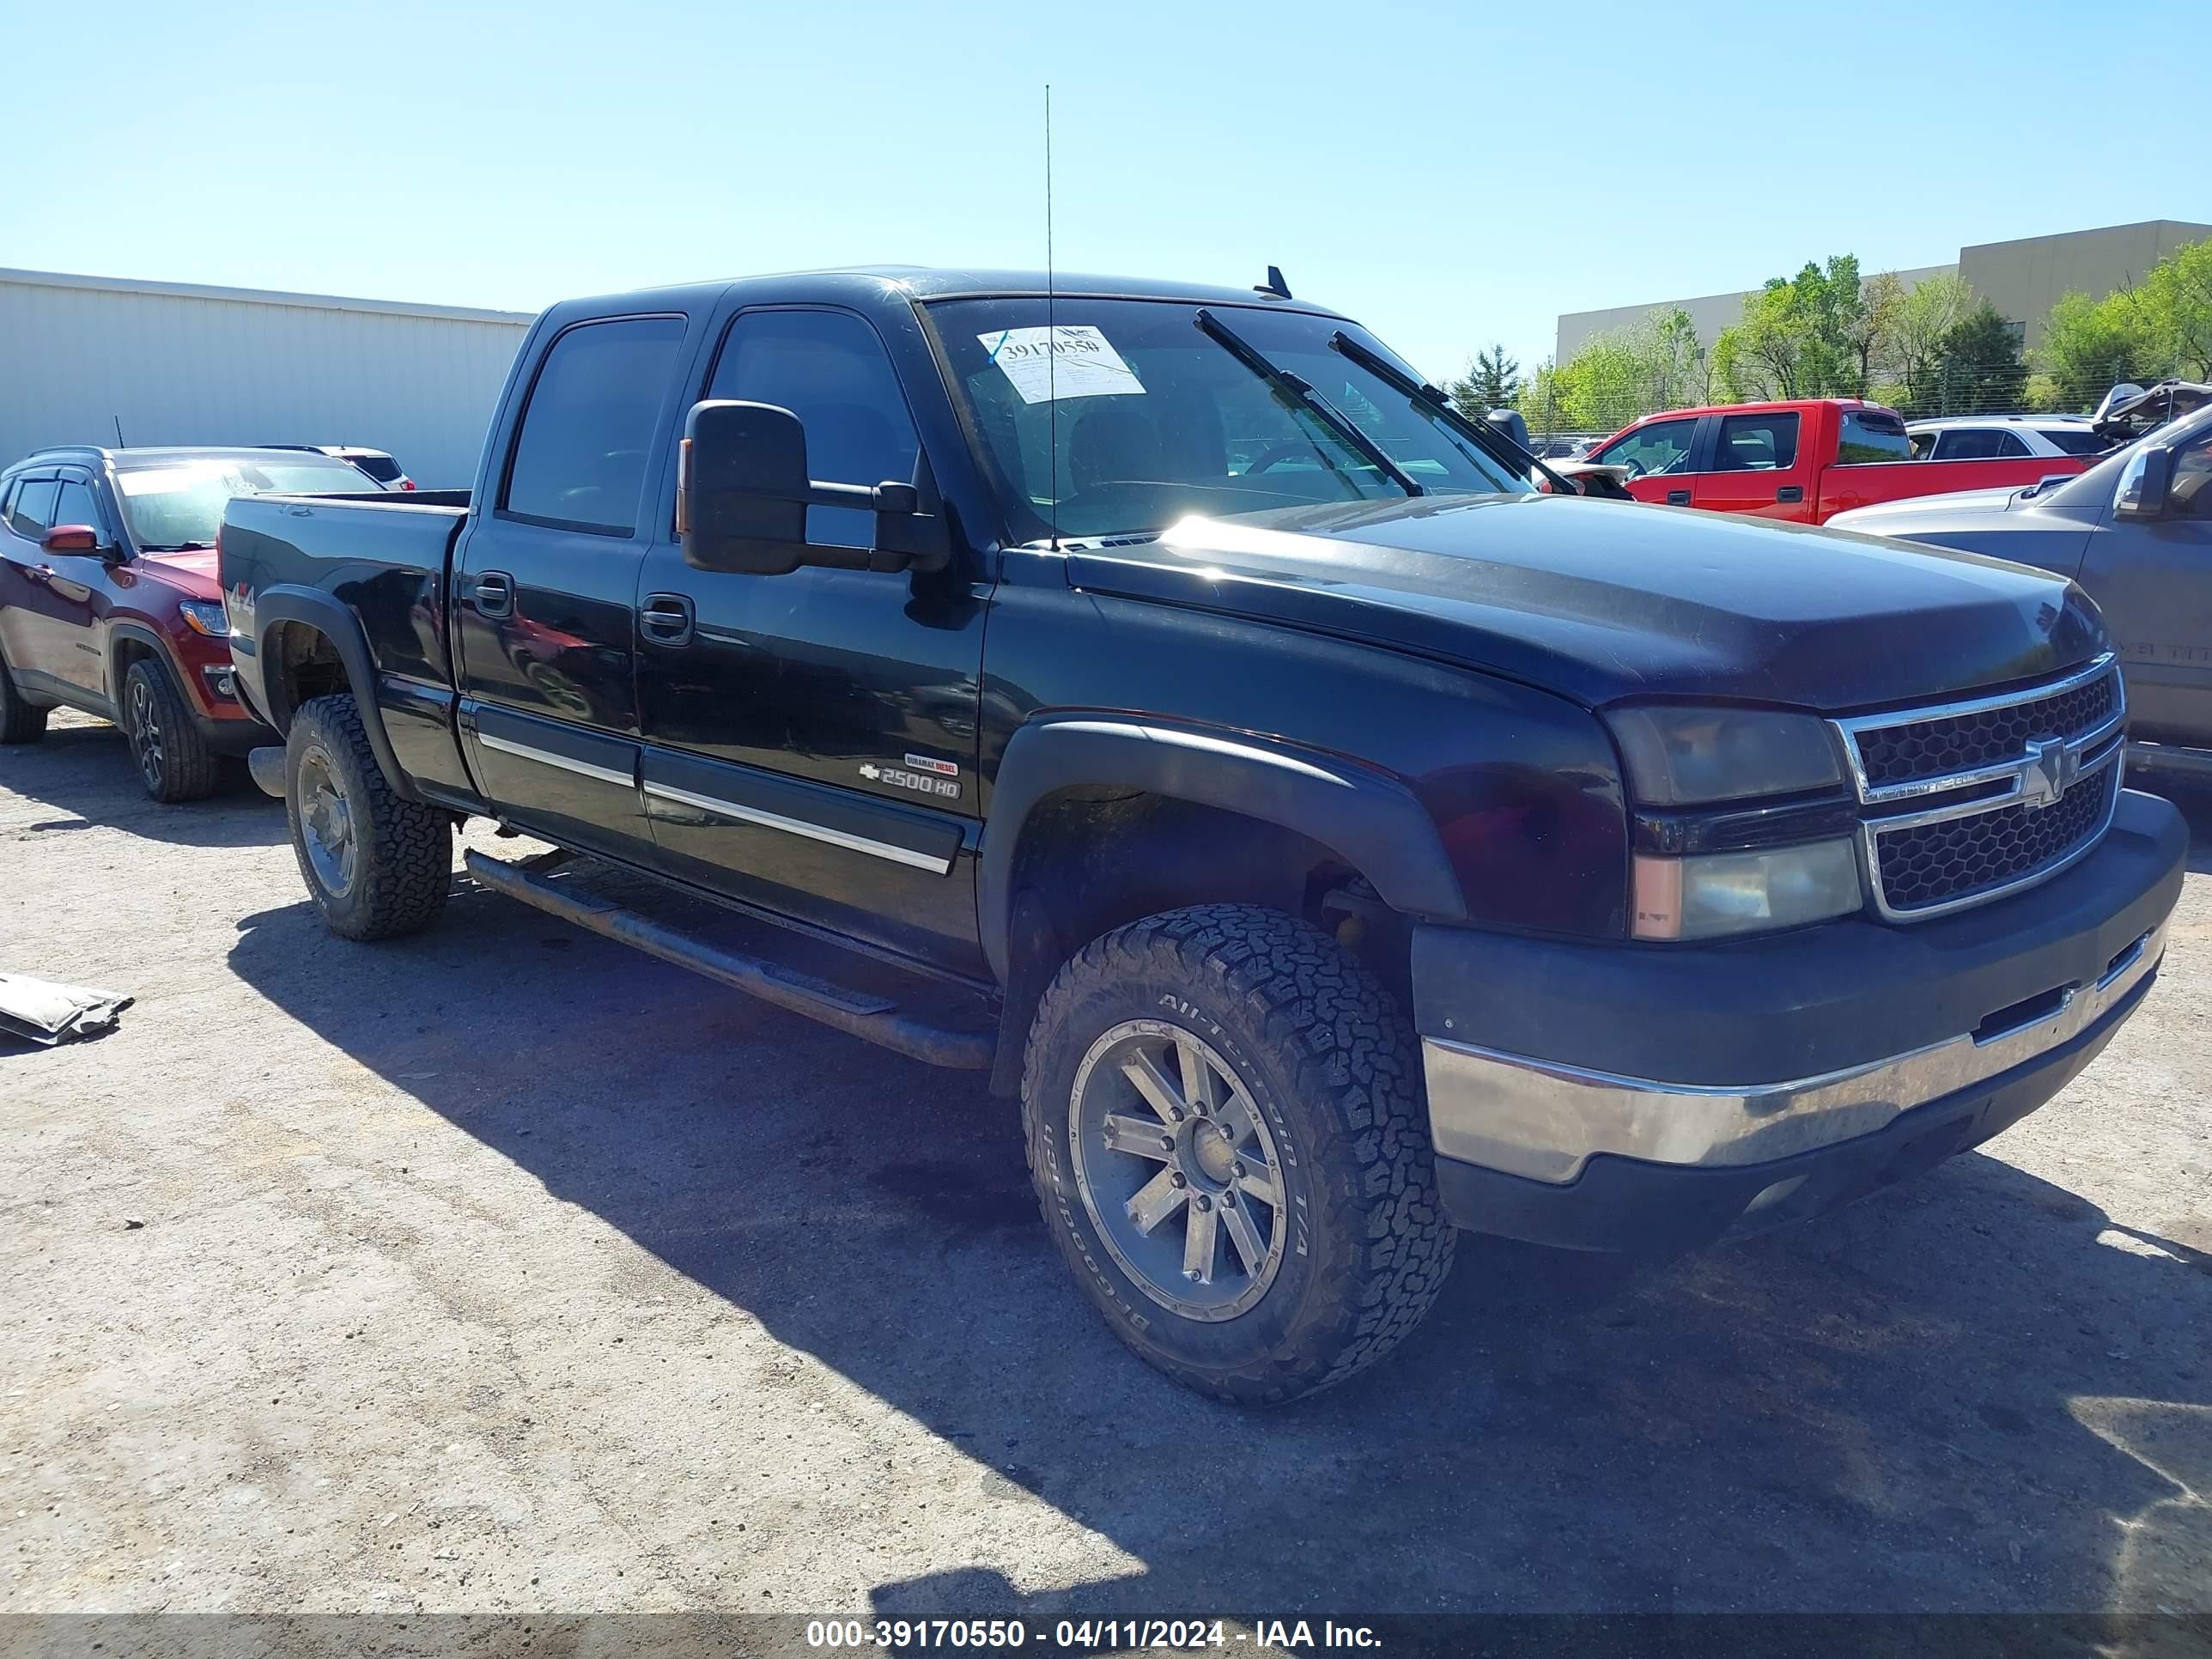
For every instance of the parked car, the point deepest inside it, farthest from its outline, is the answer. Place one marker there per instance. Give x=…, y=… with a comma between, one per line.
x=375, y=462
x=108, y=600
x=1803, y=462
x=1331, y=840
x=2135, y=531
x=2006, y=437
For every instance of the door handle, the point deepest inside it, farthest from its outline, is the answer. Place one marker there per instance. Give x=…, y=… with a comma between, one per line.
x=665, y=618
x=1790, y=493
x=495, y=594
x=40, y=572
x=1678, y=498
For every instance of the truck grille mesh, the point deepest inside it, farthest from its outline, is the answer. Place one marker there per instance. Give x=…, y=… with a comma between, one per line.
x=1960, y=858
x=1920, y=750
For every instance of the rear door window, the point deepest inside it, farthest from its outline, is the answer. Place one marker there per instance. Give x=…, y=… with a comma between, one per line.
x=1978, y=444
x=32, y=513
x=1757, y=443
x=579, y=461
x=2072, y=440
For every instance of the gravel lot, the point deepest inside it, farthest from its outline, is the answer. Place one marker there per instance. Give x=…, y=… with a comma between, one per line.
x=502, y=1269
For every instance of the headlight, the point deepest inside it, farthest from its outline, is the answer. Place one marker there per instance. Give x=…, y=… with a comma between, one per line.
x=1678, y=756
x=205, y=616
x=1711, y=894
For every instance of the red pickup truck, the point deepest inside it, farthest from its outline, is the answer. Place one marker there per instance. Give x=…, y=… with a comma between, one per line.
x=1803, y=461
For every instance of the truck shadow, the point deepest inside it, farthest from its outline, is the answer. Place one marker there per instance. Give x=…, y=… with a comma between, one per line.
x=1975, y=1392
x=84, y=771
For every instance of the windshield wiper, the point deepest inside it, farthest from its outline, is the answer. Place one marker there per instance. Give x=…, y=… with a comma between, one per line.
x=1498, y=446
x=175, y=547
x=1297, y=387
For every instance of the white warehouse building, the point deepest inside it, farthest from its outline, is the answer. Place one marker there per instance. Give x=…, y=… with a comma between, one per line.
x=178, y=363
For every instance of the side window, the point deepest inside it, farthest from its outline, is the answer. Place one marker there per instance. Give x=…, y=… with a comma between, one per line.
x=2010, y=444
x=1662, y=447
x=31, y=513
x=829, y=368
x=75, y=505
x=1970, y=444
x=1756, y=443
x=580, y=460
x=2073, y=440
x=1870, y=437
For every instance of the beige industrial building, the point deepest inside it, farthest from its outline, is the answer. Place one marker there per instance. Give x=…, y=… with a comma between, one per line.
x=2019, y=278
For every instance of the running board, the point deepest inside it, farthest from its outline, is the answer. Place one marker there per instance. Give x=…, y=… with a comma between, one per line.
x=858, y=1012
x=2171, y=759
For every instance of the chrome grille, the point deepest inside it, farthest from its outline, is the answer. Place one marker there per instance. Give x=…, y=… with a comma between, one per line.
x=1972, y=799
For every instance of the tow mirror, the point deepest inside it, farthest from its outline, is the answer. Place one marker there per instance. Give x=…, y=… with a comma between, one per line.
x=2141, y=494
x=743, y=491
x=71, y=539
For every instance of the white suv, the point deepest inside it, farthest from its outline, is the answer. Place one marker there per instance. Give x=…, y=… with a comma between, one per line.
x=1991, y=437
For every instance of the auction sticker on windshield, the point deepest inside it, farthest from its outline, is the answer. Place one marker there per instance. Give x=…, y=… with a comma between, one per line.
x=1081, y=362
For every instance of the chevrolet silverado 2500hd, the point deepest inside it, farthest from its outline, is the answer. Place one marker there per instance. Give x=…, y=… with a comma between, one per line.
x=1340, y=841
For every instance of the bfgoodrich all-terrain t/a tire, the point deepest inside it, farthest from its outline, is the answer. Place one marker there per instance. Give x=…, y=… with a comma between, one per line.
x=1228, y=1139
x=375, y=865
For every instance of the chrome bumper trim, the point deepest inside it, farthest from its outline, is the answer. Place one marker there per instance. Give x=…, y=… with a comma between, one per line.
x=1543, y=1121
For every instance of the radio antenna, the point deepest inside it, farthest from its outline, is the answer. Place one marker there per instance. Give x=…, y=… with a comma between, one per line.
x=1051, y=332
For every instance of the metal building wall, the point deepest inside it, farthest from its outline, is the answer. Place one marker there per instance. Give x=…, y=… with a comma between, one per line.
x=180, y=364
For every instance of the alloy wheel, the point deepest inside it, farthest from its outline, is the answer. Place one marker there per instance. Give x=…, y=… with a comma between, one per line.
x=1178, y=1169
x=326, y=824
x=143, y=728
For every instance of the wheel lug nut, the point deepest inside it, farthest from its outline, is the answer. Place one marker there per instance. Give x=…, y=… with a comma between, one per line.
x=1238, y=1169
x=1204, y=1202
x=1175, y=1178
x=1167, y=1142
x=1228, y=1201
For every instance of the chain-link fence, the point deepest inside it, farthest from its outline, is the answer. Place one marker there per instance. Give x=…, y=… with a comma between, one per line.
x=1563, y=408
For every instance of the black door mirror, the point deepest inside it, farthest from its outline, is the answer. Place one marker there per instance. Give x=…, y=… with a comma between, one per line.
x=742, y=493
x=2141, y=494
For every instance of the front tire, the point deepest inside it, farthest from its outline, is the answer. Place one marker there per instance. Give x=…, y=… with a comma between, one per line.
x=174, y=761
x=1229, y=1142
x=376, y=866
x=19, y=721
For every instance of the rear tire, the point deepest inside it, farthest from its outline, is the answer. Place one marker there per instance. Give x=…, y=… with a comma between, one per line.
x=376, y=866
x=20, y=722
x=174, y=761
x=1304, y=1162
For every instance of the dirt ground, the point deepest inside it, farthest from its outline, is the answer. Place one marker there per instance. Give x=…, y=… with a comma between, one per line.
x=501, y=1269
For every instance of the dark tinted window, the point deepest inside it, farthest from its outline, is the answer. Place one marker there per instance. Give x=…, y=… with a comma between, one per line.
x=829, y=368
x=581, y=459
x=1756, y=443
x=1662, y=447
x=2189, y=492
x=32, y=513
x=1869, y=438
x=1977, y=444
x=2073, y=440
x=381, y=468
x=75, y=505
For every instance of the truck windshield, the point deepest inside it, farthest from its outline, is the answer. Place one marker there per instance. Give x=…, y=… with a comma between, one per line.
x=1141, y=416
x=178, y=504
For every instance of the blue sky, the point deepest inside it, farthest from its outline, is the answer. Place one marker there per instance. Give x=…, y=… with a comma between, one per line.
x=1449, y=173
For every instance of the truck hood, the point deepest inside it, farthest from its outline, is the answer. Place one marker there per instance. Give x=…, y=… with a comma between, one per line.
x=2008, y=524
x=1601, y=601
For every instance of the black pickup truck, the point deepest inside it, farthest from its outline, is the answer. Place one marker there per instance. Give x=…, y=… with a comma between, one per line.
x=1331, y=840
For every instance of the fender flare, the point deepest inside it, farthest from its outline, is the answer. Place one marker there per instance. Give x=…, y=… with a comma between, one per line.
x=1366, y=817
x=138, y=632
x=273, y=607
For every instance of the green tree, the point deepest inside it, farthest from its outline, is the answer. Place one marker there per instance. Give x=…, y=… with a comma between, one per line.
x=1982, y=369
x=1819, y=334
x=1493, y=381
x=2089, y=346
x=1923, y=319
x=2173, y=307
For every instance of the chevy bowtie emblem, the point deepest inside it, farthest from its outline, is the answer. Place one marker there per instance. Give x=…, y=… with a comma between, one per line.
x=2049, y=769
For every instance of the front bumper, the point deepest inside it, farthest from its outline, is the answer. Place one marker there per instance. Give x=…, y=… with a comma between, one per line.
x=1633, y=1097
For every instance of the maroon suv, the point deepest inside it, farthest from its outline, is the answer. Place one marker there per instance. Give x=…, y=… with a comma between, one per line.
x=109, y=602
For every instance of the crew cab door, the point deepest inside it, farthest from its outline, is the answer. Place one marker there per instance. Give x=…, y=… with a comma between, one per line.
x=2153, y=580
x=1659, y=454
x=810, y=737
x=1758, y=465
x=545, y=586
